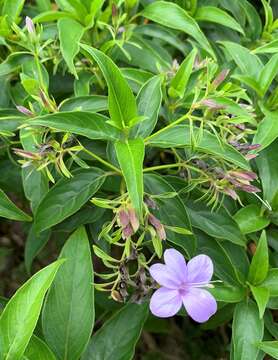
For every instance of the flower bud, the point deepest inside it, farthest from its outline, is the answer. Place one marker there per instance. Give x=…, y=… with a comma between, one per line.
x=127, y=231
x=212, y=104
x=220, y=77
x=123, y=218
x=24, y=110
x=160, y=231
x=133, y=219
x=30, y=25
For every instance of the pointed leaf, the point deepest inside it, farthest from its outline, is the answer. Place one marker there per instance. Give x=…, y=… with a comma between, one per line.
x=38, y=350
x=270, y=348
x=259, y=265
x=9, y=210
x=261, y=295
x=19, y=318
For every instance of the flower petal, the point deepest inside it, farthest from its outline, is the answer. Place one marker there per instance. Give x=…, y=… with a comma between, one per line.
x=199, y=304
x=164, y=276
x=174, y=260
x=199, y=269
x=165, y=302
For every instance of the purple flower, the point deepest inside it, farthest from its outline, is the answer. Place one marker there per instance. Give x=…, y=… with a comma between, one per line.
x=30, y=25
x=183, y=284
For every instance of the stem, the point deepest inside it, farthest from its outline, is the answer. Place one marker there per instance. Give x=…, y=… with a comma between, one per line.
x=169, y=166
x=106, y=163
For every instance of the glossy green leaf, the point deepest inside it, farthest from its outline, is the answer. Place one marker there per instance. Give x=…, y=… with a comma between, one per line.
x=130, y=155
x=229, y=294
x=267, y=130
x=179, y=82
x=44, y=5
x=248, y=63
x=19, y=318
x=67, y=196
x=122, y=104
x=91, y=125
x=270, y=348
x=179, y=136
x=268, y=73
x=259, y=265
x=268, y=48
x=268, y=169
x=171, y=212
x=248, y=329
x=92, y=103
x=38, y=350
x=12, y=9
x=13, y=62
x=127, y=324
x=9, y=210
x=249, y=219
x=271, y=282
x=261, y=295
x=216, y=224
x=171, y=15
x=68, y=314
x=148, y=101
x=218, y=16
x=70, y=33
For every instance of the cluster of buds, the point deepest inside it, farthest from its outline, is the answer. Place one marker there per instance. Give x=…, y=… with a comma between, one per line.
x=245, y=148
x=128, y=221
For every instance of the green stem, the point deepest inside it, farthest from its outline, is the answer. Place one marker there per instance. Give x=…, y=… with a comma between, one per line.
x=106, y=163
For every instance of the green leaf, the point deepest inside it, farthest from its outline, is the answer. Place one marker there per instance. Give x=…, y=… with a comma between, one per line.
x=218, y=224
x=260, y=262
x=38, y=350
x=171, y=15
x=267, y=130
x=43, y=5
x=12, y=9
x=9, y=210
x=270, y=348
x=271, y=282
x=122, y=103
x=93, y=126
x=228, y=294
x=248, y=329
x=68, y=314
x=70, y=34
x=248, y=63
x=127, y=324
x=180, y=136
x=218, y=16
x=171, y=212
x=34, y=244
x=91, y=103
x=261, y=295
x=13, y=62
x=19, y=318
x=268, y=73
x=269, y=48
x=249, y=219
x=268, y=170
x=148, y=101
x=180, y=80
x=67, y=196
x=130, y=155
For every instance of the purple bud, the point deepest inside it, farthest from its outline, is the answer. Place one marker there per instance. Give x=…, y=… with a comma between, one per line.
x=114, y=10
x=220, y=77
x=150, y=203
x=245, y=175
x=127, y=231
x=212, y=104
x=231, y=193
x=249, y=188
x=24, y=110
x=133, y=219
x=250, y=156
x=26, y=154
x=123, y=218
x=30, y=25
x=160, y=231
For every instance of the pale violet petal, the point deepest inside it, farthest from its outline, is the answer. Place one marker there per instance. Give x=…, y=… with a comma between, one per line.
x=164, y=276
x=165, y=302
x=199, y=304
x=175, y=261
x=199, y=269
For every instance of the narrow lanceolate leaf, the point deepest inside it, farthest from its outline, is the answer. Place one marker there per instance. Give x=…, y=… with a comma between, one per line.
x=260, y=263
x=179, y=136
x=38, y=350
x=68, y=314
x=12, y=9
x=267, y=130
x=148, y=101
x=93, y=126
x=261, y=295
x=268, y=73
x=174, y=17
x=218, y=16
x=271, y=282
x=9, y=210
x=130, y=155
x=70, y=33
x=67, y=197
x=270, y=348
x=180, y=80
x=19, y=318
x=248, y=329
x=121, y=101
x=127, y=324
